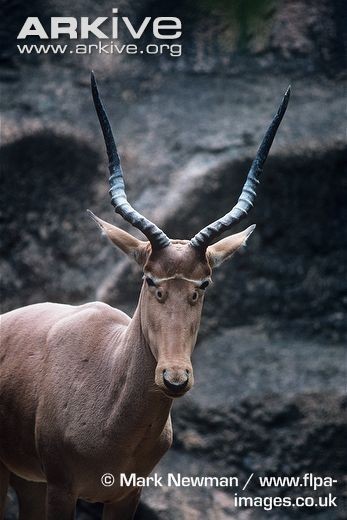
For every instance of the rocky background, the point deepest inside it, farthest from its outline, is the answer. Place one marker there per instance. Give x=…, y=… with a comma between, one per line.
x=270, y=369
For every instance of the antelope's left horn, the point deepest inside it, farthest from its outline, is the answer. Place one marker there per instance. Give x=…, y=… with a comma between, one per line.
x=119, y=200
x=246, y=200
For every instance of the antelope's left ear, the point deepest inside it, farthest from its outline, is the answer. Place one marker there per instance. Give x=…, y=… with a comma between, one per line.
x=225, y=248
x=131, y=246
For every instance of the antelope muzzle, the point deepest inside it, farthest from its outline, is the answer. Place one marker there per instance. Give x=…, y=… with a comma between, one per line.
x=175, y=381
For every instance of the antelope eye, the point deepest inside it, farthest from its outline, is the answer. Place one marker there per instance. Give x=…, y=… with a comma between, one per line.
x=204, y=285
x=159, y=294
x=150, y=282
x=195, y=296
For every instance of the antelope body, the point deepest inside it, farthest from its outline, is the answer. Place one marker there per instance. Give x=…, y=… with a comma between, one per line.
x=85, y=390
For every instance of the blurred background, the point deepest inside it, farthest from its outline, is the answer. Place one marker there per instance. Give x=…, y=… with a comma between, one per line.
x=270, y=363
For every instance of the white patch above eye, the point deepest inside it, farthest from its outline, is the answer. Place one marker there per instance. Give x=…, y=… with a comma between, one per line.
x=178, y=276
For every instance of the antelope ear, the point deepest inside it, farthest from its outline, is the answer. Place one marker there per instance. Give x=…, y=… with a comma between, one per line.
x=131, y=246
x=225, y=248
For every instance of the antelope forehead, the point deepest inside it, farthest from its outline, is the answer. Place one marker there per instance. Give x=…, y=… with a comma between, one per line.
x=176, y=276
x=180, y=261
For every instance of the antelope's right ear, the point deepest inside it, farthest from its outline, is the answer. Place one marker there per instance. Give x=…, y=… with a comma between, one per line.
x=226, y=247
x=131, y=246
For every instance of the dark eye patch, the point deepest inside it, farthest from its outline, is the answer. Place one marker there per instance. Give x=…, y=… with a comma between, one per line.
x=204, y=285
x=150, y=282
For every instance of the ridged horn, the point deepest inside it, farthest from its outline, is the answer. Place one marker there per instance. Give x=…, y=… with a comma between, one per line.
x=249, y=191
x=119, y=200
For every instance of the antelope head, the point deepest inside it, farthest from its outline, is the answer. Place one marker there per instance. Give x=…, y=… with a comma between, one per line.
x=176, y=272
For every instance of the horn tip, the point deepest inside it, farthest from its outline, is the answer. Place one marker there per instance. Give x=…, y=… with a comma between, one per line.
x=284, y=103
x=94, y=84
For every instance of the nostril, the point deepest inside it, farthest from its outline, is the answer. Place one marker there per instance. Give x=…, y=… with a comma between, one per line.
x=176, y=386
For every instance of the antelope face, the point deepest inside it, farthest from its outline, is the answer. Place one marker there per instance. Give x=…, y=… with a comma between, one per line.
x=174, y=283
x=175, y=280
x=176, y=272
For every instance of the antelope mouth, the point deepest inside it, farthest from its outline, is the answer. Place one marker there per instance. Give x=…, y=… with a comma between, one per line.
x=172, y=395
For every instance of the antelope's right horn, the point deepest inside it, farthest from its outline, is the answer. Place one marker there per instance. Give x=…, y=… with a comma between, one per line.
x=249, y=191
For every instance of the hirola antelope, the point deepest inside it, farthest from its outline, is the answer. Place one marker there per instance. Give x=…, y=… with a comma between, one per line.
x=86, y=390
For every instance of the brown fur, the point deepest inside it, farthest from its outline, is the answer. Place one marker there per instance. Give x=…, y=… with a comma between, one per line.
x=82, y=390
